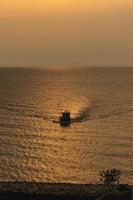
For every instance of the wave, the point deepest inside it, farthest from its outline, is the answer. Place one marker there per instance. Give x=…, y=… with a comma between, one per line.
x=111, y=114
x=85, y=114
x=23, y=111
x=81, y=116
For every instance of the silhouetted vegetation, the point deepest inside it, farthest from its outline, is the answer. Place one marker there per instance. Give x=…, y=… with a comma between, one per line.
x=110, y=176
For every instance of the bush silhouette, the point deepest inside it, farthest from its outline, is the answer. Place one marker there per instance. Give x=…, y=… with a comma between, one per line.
x=110, y=176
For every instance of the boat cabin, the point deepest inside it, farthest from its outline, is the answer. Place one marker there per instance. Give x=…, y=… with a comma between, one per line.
x=65, y=119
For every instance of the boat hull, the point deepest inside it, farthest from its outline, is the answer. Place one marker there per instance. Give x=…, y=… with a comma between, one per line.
x=65, y=122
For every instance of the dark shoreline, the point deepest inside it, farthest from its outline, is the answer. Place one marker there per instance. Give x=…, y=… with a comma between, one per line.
x=64, y=191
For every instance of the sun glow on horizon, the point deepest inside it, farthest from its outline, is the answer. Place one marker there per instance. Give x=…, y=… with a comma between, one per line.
x=66, y=32
x=41, y=7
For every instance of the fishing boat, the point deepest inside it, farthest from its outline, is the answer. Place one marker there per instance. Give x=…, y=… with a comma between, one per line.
x=65, y=119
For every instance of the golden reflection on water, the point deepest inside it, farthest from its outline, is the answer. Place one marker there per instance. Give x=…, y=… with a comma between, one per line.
x=34, y=148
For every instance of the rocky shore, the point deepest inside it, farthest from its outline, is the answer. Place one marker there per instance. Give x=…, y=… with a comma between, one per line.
x=45, y=191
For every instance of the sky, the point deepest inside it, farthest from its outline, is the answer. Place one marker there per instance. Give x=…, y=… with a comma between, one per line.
x=66, y=32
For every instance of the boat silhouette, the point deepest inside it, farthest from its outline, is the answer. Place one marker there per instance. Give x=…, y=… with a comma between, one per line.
x=65, y=118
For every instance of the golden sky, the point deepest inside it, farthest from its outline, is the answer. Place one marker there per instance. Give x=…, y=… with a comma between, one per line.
x=34, y=8
x=63, y=32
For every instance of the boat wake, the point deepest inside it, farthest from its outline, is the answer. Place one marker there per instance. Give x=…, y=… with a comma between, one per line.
x=83, y=115
x=111, y=114
x=88, y=113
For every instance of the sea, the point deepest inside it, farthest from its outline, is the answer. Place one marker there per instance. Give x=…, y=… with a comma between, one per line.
x=34, y=147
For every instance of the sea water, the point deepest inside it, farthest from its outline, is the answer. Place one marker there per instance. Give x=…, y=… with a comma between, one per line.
x=33, y=145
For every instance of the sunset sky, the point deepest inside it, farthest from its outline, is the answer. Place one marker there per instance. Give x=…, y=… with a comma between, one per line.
x=66, y=32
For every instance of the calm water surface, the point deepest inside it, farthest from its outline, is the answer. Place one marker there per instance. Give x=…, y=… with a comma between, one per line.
x=34, y=147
